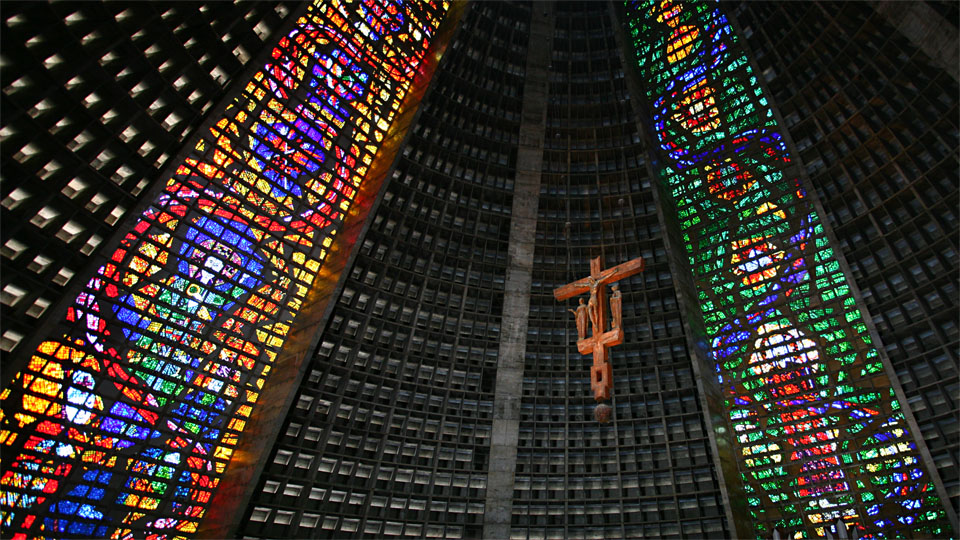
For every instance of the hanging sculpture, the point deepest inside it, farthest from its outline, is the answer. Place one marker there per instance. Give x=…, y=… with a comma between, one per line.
x=601, y=373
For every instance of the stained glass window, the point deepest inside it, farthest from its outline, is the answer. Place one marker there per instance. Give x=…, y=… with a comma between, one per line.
x=819, y=433
x=124, y=424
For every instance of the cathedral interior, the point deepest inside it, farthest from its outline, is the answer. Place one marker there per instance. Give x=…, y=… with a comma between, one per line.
x=503, y=270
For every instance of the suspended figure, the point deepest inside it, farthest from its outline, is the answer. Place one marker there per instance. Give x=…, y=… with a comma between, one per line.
x=581, y=316
x=601, y=372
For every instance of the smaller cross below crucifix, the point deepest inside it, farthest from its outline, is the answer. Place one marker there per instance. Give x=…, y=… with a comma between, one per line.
x=595, y=311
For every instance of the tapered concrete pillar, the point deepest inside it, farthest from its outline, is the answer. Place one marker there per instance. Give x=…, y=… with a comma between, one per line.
x=516, y=303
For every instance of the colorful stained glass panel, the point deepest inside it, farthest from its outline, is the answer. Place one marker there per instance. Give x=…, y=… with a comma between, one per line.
x=122, y=425
x=819, y=432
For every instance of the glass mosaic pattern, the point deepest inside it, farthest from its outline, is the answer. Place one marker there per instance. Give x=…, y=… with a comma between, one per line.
x=875, y=126
x=123, y=425
x=819, y=432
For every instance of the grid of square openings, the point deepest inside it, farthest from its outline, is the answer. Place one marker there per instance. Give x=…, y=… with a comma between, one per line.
x=649, y=472
x=473, y=128
x=390, y=430
x=877, y=128
x=97, y=97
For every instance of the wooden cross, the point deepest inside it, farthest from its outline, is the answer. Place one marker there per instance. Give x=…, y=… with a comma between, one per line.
x=601, y=373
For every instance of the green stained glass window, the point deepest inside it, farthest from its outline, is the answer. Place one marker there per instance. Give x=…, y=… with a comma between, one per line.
x=794, y=358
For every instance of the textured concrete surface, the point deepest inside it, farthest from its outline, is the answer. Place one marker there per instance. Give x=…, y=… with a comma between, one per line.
x=516, y=302
x=927, y=30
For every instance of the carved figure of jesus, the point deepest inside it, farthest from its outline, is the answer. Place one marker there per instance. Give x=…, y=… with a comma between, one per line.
x=601, y=372
x=616, y=306
x=581, y=315
x=593, y=309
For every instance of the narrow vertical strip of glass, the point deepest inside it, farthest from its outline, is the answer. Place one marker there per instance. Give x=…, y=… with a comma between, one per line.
x=123, y=423
x=819, y=434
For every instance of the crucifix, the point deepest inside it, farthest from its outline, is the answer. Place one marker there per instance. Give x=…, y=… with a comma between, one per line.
x=595, y=311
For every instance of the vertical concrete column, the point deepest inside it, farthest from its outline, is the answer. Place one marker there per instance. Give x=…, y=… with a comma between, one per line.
x=516, y=301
